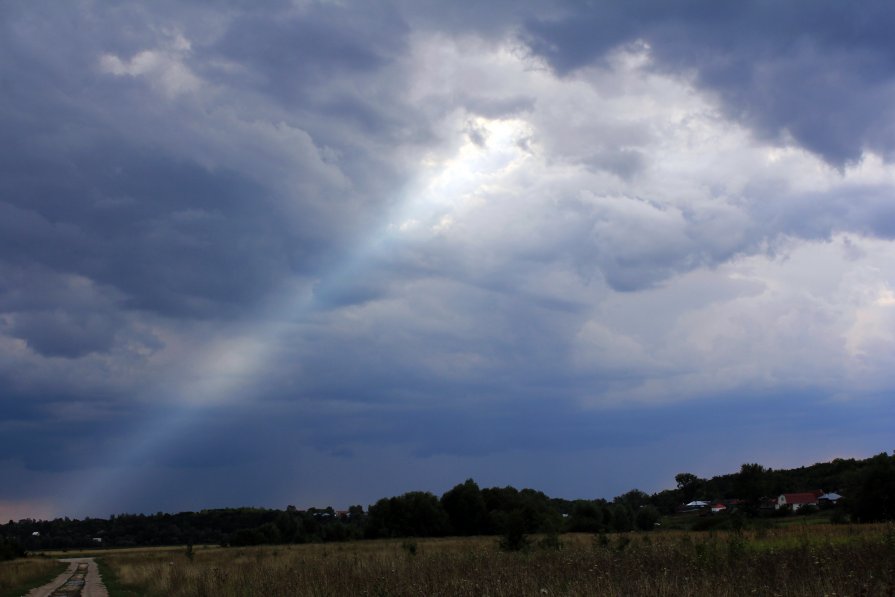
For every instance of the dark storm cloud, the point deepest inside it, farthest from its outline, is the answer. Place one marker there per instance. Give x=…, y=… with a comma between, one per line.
x=83, y=191
x=294, y=56
x=171, y=237
x=18, y=406
x=335, y=71
x=161, y=165
x=64, y=334
x=819, y=71
x=589, y=453
x=62, y=430
x=488, y=19
x=57, y=315
x=864, y=209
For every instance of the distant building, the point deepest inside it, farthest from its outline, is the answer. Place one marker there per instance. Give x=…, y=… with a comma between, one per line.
x=768, y=503
x=829, y=499
x=695, y=505
x=798, y=500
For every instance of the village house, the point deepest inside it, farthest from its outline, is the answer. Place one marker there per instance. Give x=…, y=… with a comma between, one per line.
x=798, y=500
x=829, y=499
x=694, y=505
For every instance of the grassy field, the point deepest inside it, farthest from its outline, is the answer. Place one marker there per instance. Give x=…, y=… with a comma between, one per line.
x=17, y=577
x=97, y=553
x=798, y=560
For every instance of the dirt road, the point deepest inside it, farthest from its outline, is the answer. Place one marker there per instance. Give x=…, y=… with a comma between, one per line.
x=81, y=579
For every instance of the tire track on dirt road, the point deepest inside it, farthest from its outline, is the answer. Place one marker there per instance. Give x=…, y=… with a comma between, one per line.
x=81, y=579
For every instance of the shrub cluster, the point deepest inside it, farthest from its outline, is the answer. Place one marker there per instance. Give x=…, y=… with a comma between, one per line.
x=11, y=549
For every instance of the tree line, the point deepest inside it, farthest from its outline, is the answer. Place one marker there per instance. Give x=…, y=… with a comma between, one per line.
x=466, y=509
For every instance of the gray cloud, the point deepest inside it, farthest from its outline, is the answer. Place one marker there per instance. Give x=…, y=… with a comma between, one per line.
x=301, y=237
x=64, y=334
x=184, y=221
x=300, y=57
x=818, y=72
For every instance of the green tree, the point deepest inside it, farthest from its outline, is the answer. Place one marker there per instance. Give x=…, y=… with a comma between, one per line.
x=646, y=518
x=413, y=514
x=634, y=499
x=689, y=486
x=514, y=537
x=287, y=526
x=587, y=517
x=534, y=506
x=11, y=549
x=621, y=518
x=751, y=484
x=466, y=508
x=873, y=498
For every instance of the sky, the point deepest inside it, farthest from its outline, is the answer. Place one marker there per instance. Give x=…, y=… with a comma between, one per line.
x=321, y=252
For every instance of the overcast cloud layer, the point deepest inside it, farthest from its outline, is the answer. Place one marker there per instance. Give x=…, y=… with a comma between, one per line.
x=318, y=253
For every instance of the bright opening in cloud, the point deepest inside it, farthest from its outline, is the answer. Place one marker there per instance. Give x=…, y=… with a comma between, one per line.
x=447, y=188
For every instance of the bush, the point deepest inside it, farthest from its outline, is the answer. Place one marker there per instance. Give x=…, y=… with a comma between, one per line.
x=711, y=522
x=11, y=549
x=838, y=516
x=874, y=497
x=245, y=537
x=736, y=546
x=623, y=542
x=621, y=518
x=409, y=547
x=514, y=537
x=646, y=518
x=550, y=541
x=784, y=510
x=586, y=518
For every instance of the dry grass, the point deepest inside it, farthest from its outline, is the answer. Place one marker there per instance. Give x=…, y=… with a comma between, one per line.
x=97, y=552
x=19, y=576
x=817, y=560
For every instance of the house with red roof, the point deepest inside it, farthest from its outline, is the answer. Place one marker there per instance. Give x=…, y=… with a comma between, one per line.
x=798, y=500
